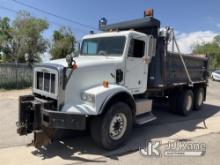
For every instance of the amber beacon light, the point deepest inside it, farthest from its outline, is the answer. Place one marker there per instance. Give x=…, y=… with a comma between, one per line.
x=149, y=13
x=105, y=83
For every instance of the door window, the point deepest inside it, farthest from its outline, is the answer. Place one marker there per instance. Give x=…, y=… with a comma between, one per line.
x=136, y=48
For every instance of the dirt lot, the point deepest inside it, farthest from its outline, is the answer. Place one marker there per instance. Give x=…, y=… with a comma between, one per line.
x=9, y=115
x=82, y=148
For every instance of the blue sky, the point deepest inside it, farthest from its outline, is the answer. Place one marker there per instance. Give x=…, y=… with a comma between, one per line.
x=186, y=16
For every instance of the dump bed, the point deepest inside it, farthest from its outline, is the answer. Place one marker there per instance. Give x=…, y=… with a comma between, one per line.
x=166, y=69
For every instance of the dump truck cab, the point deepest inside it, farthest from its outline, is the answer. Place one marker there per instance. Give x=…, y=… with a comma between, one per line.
x=126, y=50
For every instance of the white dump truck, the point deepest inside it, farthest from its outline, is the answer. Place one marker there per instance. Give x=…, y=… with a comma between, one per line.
x=111, y=85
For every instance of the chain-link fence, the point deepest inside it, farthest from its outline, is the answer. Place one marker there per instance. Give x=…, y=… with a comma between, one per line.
x=15, y=76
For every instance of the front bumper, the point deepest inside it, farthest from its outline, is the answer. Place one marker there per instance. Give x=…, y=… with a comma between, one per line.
x=33, y=116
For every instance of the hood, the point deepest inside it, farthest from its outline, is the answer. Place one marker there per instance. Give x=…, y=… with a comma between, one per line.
x=88, y=61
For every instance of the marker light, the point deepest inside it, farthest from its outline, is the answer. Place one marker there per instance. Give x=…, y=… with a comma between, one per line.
x=105, y=83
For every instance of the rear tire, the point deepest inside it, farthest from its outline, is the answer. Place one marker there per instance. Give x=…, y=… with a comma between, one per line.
x=113, y=128
x=185, y=102
x=199, y=98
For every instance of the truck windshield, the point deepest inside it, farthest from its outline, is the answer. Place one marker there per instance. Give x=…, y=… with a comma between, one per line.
x=103, y=46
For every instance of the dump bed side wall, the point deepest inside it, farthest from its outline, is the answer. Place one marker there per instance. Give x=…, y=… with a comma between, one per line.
x=197, y=67
x=166, y=69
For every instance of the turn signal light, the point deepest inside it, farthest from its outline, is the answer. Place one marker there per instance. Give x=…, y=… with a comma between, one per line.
x=105, y=83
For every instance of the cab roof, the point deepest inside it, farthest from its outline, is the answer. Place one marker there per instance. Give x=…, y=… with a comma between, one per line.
x=114, y=33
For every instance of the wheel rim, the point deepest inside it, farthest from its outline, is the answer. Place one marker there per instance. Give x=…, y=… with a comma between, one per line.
x=200, y=98
x=118, y=126
x=189, y=103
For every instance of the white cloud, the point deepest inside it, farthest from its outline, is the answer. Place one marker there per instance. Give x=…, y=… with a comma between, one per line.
x=187, y=40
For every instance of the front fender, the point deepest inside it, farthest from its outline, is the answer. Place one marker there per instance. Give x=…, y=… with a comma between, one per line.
x=103, y=95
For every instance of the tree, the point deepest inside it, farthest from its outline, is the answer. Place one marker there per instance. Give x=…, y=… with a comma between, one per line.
x=63, y=43
x=212, y=50
x=5, y=38
x=27, y=37
x=23, y=37
x=217, y=40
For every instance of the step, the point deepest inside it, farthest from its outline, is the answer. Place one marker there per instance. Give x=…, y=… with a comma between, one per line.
x=144, y=118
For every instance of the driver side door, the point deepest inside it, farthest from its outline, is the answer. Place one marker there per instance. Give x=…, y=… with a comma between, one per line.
x=136, y=73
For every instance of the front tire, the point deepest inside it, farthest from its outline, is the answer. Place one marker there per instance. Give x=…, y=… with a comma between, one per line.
x=113, y=128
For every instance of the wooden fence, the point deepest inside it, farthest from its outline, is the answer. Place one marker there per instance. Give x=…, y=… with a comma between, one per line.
x=15, y=76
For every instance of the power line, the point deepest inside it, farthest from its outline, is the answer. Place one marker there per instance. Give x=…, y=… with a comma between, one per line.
x=5, y=8
x=54, y=15
x=73, y=28
x=51, y=22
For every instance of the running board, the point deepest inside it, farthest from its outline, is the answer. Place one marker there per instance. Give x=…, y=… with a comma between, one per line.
x=144, y=118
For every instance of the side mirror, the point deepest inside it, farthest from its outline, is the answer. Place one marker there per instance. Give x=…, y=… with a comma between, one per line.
x=151, y=46
x=76, y=49
x=69, y=60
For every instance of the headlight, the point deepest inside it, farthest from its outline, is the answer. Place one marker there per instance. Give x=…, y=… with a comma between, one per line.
x=88, y=97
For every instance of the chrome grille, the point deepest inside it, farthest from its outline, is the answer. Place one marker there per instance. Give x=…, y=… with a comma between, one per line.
x=46, y=82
